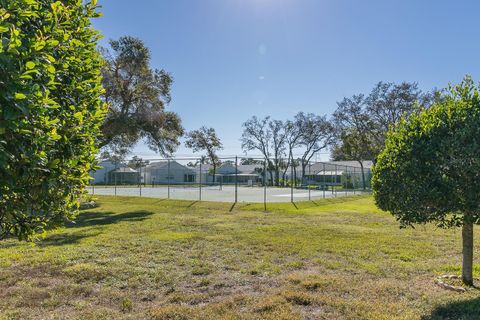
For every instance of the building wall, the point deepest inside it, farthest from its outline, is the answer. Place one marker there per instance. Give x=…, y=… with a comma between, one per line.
x=159, y=173
x=100, y=176
x=120, y=178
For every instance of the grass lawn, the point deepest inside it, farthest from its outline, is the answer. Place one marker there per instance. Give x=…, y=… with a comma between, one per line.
x=139, y=258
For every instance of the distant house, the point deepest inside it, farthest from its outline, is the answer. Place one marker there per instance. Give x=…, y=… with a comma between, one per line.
x=123, y=175
x=114, y=173
x=203, y=173
x=345, y=173
x=228, y=173
x=168, y=172
x=100, y=176
x=225, y=173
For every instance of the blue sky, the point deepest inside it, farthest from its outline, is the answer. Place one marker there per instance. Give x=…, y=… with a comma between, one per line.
x=232, y=59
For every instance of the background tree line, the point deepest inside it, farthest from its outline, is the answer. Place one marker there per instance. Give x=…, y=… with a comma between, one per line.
x=355, y=131
x=137, y=96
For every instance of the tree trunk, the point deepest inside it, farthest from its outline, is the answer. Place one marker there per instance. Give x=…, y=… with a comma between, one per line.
x=284, y=173
x=277, y=175
x=363, y=175
x=294, y=175
x=214, y=172
x=467, y=238
x=304, y=166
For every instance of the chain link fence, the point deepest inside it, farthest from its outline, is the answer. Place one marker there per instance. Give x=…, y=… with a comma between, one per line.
x=232, y=179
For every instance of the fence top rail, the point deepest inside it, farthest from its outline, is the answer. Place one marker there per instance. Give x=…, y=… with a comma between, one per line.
x=309, y=165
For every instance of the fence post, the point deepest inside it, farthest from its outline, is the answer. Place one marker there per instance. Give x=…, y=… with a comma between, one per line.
x=236, y=179
x=309, y=196
x=265, y=185
x=139, y=180
x=353, y=180
x=335, y=181
x=200, y=182
x=324, y=183
x=291, y=184
x=168, y=179
x=331, y=181
x=346, y=180
x=115, y=175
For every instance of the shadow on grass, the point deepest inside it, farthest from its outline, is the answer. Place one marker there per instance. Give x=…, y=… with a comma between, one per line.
x=94, y=218
x=88, y=219
x=65, y=239
x=192, y=204
x=458, y=310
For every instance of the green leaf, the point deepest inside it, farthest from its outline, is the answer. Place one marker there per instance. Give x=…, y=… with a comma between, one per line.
x=50, y=58
x=51, y=69
x=30, y=65
x=20, y=96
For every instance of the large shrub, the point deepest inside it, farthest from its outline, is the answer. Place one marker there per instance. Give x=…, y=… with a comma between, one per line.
x=430, y=168
x=50, y=111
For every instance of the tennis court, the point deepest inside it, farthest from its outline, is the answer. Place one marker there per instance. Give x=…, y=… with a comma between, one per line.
x=224, y=193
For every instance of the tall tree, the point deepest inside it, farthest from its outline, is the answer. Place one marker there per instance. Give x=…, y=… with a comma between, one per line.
x=137, y=96
x=205, y=139
x=50, y=111
x=362, y=122
x=138, y=163
x=293, y=135
x=257, y=136
x=430, y=168
x=354, y=136
x=277, y=129
x=388, y=102
x=353, y=148
x=316, y=135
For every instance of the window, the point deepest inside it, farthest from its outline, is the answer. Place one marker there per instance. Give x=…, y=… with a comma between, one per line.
x=189, y=178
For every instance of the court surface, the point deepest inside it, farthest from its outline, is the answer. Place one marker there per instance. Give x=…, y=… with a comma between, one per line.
x=221, y=194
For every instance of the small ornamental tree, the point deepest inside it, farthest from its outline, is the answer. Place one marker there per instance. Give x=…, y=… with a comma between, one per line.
x=50, y=111
x=205, y=139
x=429, y=170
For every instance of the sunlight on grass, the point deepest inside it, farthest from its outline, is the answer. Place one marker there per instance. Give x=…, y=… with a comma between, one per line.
x=166, y=259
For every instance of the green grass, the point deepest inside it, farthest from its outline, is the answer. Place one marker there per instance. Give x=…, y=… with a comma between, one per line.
x=140, y=258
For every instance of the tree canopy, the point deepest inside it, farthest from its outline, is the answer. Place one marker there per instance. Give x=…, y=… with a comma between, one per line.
x=362, y=121
x=316, y=133
x=205, y=139
x=430, y=167
x=137, y=96
x=50, y=111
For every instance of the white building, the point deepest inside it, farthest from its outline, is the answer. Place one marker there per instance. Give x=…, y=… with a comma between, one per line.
x=100, y=176
x=114, y=173
x=168, y=172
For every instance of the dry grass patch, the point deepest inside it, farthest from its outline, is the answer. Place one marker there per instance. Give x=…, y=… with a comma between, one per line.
x=138, y=258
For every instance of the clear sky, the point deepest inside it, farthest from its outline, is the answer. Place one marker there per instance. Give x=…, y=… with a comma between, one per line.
x=232, y=59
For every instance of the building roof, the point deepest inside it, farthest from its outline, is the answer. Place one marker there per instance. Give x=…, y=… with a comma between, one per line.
x=338, y=165
x=173, y=165
x=124, y=170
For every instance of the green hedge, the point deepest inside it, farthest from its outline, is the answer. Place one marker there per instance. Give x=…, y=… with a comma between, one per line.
x=50, y=111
